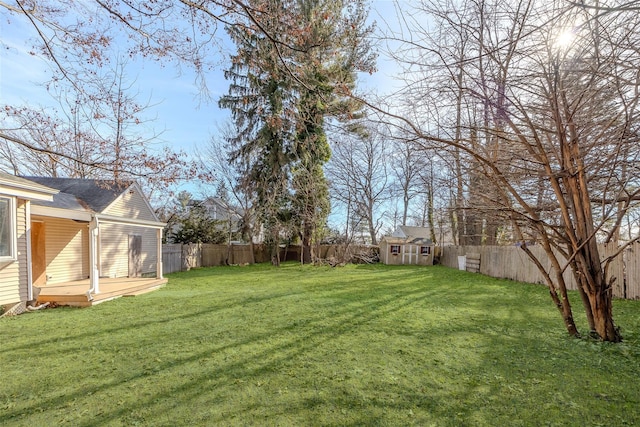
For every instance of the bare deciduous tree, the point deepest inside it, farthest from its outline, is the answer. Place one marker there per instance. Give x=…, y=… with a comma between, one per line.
x=359, y=178
x=79, y=38
x=406, y=163
x=102, y=132
x=548, y=130
x=214, y=162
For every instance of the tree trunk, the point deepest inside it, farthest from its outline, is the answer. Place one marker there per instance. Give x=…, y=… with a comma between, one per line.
x=372, y=229
x=596, y=293
x=557, y=286
x=473, y=229
x=491, y=231
x=432, y=224
x=252, y=256
x=563, y=304
x=405, y=207
x=306, y=244
x=601, y=308
x=275, y=248
x=275, y=256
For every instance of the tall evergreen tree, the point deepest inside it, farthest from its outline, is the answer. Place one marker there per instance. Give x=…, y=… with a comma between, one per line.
x=280, y=94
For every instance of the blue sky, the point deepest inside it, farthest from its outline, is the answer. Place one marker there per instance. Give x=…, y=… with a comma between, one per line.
x=185, y=120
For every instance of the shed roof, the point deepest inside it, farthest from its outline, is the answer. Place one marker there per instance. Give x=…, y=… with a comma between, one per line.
x=411, y=240
x=81, y=194
x=411, y=235
x=406, y=231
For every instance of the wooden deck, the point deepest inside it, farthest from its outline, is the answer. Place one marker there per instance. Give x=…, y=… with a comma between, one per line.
x=75, y=293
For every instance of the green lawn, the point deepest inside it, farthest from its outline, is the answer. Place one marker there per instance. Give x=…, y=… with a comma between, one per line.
x=352, y=346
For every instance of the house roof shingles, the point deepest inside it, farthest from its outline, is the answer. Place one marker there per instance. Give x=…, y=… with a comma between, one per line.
x=81, y=194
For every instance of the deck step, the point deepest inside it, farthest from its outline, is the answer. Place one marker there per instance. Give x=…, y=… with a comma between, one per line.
x=78, y=297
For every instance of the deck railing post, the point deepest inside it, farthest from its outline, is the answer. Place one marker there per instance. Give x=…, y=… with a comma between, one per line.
x=94, y=272
x=159, y=253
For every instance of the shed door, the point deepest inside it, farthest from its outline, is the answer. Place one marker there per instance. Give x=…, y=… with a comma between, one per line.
x=135, y=255
x=38, y=254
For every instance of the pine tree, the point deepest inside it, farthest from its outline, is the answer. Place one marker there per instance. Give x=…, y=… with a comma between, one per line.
x=280, y=94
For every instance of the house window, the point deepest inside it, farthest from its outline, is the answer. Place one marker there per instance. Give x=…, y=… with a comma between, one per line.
x=425, y=250
x=395, y=249
x=7, y=229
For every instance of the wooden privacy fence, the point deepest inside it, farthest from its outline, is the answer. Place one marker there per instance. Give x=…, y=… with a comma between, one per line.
x=171, y=258
x=181, y=257
x=511, y=262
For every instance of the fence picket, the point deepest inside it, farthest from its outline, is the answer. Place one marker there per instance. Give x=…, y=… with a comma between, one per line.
x=171, y=258
x=632, y=271
x=511, y=262
x=177, y=257
x=507, y=262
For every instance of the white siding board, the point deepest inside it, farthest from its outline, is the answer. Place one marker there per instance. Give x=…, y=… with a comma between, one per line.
x=13, y=277
x=67, y=250
x=114, y=249
x=23, y=259
x=131, y=204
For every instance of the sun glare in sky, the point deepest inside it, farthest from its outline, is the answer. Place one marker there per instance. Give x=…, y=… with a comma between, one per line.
x=565, y=38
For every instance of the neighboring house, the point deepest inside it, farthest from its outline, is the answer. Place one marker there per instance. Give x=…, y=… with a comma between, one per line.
x=219, y=210
x=77, y=229
x=16, y=198
x=407, y=245
x=228, y=214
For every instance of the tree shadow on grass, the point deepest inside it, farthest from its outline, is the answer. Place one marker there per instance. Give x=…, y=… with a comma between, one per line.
x=85, y=331
x=236, y=377
x=265, y=359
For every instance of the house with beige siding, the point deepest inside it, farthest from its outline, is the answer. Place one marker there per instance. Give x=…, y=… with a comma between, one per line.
x=17, y=196
x=407, y=245
x=88, y=229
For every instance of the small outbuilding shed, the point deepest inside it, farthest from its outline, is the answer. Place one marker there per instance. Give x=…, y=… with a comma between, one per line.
x=407, y=245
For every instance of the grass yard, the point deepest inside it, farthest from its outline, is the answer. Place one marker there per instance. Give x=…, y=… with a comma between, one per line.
x=306, y=346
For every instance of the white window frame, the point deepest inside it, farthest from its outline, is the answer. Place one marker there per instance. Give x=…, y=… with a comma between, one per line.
x=13, y=238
